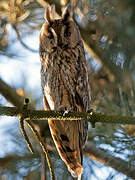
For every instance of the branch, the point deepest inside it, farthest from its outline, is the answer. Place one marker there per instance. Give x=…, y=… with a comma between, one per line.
x=92, y=117
x=37, y=135
x=100, y=54
x=21, y=41
x=10, y=94
x=44, y=148
x=104, y=157
x=91, y=150
x=14, y=158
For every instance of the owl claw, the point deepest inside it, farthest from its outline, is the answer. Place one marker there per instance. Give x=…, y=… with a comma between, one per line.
x=65, y=109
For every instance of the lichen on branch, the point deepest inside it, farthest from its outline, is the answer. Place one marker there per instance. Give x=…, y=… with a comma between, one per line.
x=92, y=117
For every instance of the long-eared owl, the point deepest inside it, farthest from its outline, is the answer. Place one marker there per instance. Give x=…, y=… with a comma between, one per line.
x=64, y=81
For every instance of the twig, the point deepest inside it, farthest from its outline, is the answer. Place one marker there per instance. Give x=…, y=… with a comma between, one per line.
x=21, y=120
x=25, y=135
x=19, y=38
x=44, y=149
x=24, y=115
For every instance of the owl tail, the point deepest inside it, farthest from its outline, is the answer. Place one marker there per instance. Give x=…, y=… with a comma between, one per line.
x=75, y=168
x=76, y=173
x=72, y=160
x=71, y=156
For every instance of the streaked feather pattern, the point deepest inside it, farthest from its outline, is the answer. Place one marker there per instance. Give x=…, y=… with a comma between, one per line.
x=64, y=81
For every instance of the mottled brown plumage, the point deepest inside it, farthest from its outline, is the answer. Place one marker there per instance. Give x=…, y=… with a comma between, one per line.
x=64, y=81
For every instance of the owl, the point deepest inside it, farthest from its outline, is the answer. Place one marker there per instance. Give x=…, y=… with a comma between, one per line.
x=64, y=81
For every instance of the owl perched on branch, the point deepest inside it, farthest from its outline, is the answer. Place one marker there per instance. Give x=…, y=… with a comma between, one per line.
x=64, y=81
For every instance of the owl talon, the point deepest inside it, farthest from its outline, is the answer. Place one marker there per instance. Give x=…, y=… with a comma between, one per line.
x=65, y=110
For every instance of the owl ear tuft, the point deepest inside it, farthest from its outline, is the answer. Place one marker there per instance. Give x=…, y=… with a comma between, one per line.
x=67, y=13
x=49, y=13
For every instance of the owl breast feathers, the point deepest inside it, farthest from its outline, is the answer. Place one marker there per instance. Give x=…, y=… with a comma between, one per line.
x=64, y=81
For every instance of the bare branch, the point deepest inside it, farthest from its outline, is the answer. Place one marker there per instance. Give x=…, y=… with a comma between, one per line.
x=104, y=157
x=10, y=94
x=21, y=41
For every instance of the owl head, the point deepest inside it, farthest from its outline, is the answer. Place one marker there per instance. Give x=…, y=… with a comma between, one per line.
x=58, y=34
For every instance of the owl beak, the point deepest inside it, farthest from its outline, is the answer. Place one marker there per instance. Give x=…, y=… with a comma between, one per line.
x=62, y=46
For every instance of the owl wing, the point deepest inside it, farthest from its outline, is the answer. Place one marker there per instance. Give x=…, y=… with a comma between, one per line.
x=82, y=94
x=75, y=131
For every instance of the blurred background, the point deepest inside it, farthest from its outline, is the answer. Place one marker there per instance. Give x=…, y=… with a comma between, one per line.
x=107, y=29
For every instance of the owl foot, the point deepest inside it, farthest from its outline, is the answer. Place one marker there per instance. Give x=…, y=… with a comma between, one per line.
x=65, y=109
